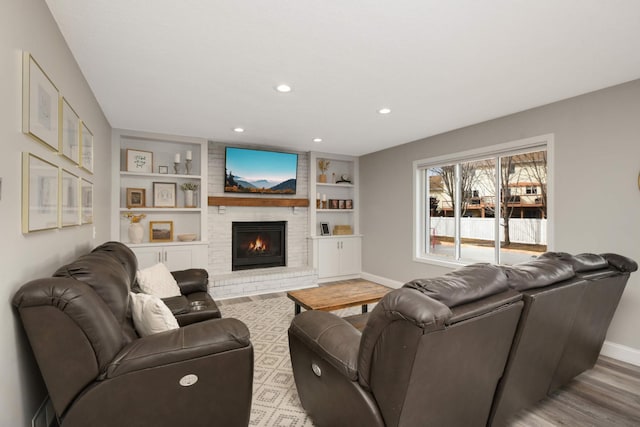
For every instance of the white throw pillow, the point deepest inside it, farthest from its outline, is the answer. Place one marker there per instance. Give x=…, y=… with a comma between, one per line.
x=151, y=315
x=158, y=281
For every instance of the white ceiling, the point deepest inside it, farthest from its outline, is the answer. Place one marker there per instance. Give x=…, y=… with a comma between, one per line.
x=202, y=67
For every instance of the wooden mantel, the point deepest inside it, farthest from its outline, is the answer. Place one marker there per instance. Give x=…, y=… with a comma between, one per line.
x=257, y=201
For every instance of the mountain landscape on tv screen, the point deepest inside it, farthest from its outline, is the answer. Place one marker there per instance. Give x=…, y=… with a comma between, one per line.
x=237, y=184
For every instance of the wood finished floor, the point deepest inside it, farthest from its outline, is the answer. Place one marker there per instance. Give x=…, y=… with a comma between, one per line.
x=607, y=395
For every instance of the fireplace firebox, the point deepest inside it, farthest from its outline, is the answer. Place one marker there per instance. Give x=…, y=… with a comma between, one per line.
x=258, y=244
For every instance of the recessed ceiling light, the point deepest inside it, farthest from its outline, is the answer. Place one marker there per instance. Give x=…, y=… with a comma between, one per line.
x=283, y=88
x=384, y=110
x=239, y=130
x=317, y=139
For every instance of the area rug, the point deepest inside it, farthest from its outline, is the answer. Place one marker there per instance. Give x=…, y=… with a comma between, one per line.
x=275, y=400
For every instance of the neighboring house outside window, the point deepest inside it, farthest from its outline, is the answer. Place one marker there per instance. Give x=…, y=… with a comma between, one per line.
x=488, y=205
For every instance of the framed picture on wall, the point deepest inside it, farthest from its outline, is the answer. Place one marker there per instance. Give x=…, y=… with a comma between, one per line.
x=86, y=148
x=40, y=189
x=39, y=103
x=86, y=201
x=69, y=132
x=70, y=192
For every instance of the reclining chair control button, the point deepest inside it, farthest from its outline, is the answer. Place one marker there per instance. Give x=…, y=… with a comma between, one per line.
x=316, y=369
x=188, y=380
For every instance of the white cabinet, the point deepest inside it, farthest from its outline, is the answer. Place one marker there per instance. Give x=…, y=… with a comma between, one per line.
x=338, y=257
x=175, y=257
x=167, y=205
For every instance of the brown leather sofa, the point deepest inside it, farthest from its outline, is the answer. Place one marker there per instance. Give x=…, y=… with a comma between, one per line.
x=431, y=353
x=569, y=304
x=98, y=372
x=443, y=351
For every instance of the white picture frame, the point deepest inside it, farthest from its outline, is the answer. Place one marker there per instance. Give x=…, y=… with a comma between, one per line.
x=40, y=103
x=140, y=161
x=164, y=194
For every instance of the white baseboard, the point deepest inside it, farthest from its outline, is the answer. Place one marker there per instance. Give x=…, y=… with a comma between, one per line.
x=621, y=352
x=382, y=280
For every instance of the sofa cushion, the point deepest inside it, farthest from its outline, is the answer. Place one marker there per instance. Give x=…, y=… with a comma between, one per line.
x=538, y=273
x=151, y=315
x=106, y=276
x=464, y=285
x=158, y=281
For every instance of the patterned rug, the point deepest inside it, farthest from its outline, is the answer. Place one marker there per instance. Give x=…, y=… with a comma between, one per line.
x=275, y=399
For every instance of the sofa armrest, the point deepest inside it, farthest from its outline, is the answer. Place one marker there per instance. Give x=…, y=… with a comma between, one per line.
x=331, y=338
x=620, y=262
x=177, y=345
x=192, y=280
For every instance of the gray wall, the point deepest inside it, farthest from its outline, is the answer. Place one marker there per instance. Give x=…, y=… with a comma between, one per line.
x=595, y=179
x=28, y=25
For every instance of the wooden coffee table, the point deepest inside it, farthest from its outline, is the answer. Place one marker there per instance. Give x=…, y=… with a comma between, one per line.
x=335, y=297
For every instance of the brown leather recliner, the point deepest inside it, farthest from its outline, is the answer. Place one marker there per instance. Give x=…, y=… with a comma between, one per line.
x=431, y=354
x=98, y=372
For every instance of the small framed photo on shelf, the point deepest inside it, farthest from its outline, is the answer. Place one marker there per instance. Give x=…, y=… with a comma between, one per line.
x=136, y=198
x=164, y=194
x=348, y=204
x=160, y=231
x=324, y=229
x=341, y=204
x=163, y=169
x=140, y=161
x=40, y=104
x=334, y=204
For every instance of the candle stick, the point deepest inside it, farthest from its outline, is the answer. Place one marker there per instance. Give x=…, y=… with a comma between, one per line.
x=177, y=158
x=188, y=157
x=324, y=197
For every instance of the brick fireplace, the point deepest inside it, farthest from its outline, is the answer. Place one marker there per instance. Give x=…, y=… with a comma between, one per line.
x=226, y=282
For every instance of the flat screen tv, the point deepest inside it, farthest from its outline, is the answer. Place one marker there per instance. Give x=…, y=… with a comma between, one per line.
x=260, y=171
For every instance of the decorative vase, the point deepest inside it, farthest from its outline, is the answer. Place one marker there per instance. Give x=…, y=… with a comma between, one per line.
x=322, y=178
x=188, y=199
x=136, y=231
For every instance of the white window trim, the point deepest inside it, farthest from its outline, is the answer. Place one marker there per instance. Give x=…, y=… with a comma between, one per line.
x=419, y=254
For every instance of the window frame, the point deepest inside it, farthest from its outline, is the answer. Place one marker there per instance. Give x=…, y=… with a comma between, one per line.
x=421, y=187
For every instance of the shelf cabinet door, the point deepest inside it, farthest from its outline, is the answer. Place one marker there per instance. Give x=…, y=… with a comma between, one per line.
x=147, y=257
x=174, y=257
x=328, y=258
x=349, y=256
x=338, y=257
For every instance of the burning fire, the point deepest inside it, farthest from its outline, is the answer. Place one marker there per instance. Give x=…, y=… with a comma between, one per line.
x=259, y=245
